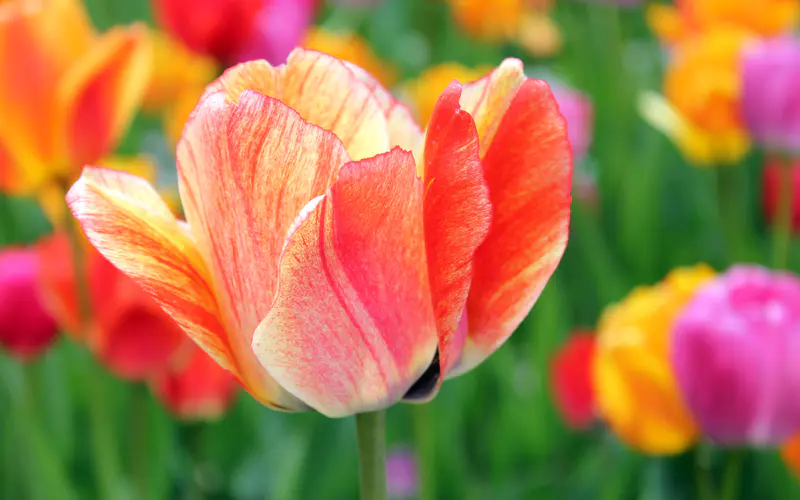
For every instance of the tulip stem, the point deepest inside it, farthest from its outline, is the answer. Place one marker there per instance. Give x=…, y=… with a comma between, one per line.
x=733, y=474
x=702, y=476
x=782, y=230
x=426, y=450
x=140, y=459
x=371, y=430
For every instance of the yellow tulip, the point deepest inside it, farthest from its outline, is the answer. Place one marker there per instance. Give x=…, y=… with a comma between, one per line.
x=636, y=390
x=424, y=91
x=352, y=48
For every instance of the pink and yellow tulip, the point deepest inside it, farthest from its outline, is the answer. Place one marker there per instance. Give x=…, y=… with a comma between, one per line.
x=323, y=263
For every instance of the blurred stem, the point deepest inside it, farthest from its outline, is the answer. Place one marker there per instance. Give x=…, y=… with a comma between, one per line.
x=782, y=230
x=47, y=473
x=730, y=200
x=702, y=476
x=193, y=437
x=371, y=431
x=426, y=450
x=104, y=448
x=139, y=444
x=733, y=475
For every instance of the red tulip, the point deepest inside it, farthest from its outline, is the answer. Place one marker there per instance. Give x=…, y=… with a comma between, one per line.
x=26, y=329
x=237, y=30
x=322, y=264
x=194, y=386
x=571, y=376
x=772, y=188
x=127, y=330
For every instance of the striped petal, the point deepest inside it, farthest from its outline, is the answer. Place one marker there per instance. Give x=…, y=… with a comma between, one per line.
x=101, y=92
x=457, y=216
x=489, y=98
x=245, y=171
x=352, y=327
x=323, y=90
x=528, y=168
x=126, y=220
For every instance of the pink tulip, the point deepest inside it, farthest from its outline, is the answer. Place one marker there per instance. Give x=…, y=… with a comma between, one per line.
x=735, y=350
x=771, y=95
x=578, y=111
x=25, y=328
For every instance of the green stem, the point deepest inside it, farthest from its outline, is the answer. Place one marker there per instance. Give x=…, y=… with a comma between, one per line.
x=371, y=430
x=139, y=449
x=104, y=447
x=732, y=218
x=702, y=476
x=732, y=476
x=48, y=477
x=782, y=229
x=426, y=451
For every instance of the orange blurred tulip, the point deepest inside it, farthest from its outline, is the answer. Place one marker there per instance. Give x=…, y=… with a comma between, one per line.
x=350, y=47
x=323, y=265
x=687, y=18
x=67, y=94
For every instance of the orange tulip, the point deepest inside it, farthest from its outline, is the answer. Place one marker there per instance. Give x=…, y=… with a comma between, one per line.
x=194, y=386
x=323, y=265
x=67, y=94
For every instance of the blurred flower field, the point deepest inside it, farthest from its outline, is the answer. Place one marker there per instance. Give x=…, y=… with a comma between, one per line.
x=661, y=360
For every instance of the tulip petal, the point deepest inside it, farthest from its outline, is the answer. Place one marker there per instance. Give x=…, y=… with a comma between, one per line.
x=126, y=220
x=245, y=171
x=457, y=215
x=529, y=172
x=489, y=98
x=403, y=129
x=323, y=90
x=352, y=327
x=101, y=92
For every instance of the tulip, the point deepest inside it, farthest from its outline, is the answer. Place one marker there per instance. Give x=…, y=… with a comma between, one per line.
x=26, y=329
x=766, y=18
x=350, y=47
x=127, y=331
x=578, y=111
x=571, y=376
x=402, y=475
x=773, y=176
x=237, y=30
x=635, y=388
x=734, y=349
x=523, y=21
x=323, y=263
x=770, y=96
x=176, y=70
x=194, y=387
x=701, y=113
x=67, y=93
x=424, y=90
x=790, y=452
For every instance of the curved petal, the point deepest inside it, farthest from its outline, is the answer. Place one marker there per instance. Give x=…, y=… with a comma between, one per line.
x=99, y=95
x=323, y=90
x=529, y=172
x=245, y=171
x=403, y=129
x=488, y=99
x=457, y=216
x=352, y=327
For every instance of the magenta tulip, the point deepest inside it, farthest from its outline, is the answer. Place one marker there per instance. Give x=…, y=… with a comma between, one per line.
x=734, y=351
x=771, y=95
